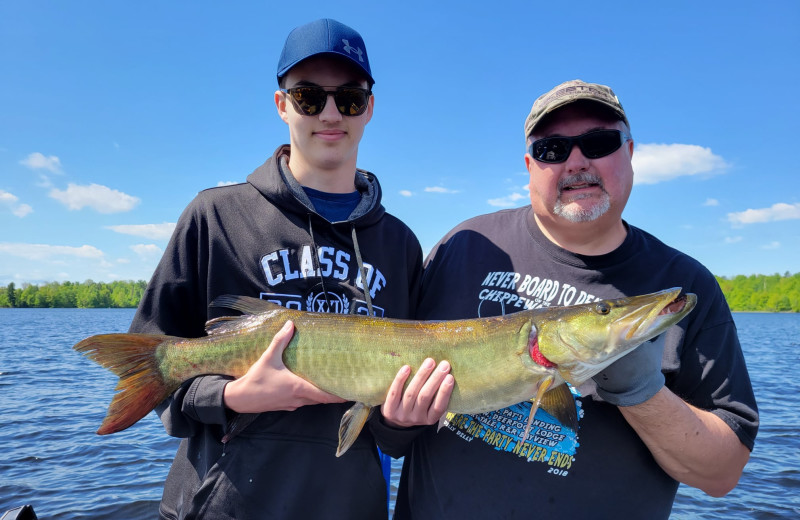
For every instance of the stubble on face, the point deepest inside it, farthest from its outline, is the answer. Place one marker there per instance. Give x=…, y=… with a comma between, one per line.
x=564, y=206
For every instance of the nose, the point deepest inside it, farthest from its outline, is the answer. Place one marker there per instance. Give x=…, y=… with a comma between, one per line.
x=576, y=161
x=330, y=113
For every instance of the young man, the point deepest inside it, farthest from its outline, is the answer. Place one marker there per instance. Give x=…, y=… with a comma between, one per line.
x=308, y=231
x=677, y=409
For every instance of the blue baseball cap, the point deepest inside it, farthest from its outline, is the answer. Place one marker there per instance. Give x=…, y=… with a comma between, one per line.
x=324, y=36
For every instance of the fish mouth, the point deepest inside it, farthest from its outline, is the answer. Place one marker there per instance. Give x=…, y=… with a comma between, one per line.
x=660, y=312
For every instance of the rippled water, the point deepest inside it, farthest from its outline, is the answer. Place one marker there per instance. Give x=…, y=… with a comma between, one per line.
x=52, y=400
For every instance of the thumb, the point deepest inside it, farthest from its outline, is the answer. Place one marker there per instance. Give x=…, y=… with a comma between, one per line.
x=273, y=356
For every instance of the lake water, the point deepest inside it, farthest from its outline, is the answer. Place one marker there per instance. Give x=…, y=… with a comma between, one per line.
x=52, y=400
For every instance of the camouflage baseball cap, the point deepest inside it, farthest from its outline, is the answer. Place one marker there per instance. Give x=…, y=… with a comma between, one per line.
x=569, y=92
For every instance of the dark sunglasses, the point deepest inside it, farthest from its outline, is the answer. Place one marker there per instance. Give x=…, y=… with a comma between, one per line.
x=593, y=145
x=310, y=100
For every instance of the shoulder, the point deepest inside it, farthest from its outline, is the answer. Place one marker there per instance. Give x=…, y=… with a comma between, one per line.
x=686, y=271
x=495, y=227
x=395, y=225
x=482, y=239
x=225, y=197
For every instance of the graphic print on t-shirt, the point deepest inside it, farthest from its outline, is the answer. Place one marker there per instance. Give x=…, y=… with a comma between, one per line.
x=548, y=442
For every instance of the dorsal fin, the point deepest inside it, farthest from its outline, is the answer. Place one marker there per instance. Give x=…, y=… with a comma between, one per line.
x=244, y=304
x=223, y=324
x=250, y=307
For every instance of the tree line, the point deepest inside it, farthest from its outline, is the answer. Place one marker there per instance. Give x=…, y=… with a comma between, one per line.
x=86, y=295
x=760, y=293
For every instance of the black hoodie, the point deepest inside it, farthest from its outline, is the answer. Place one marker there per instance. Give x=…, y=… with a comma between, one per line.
x=263, y=238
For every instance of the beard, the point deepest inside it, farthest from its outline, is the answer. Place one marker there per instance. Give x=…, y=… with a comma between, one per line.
x=573, y=212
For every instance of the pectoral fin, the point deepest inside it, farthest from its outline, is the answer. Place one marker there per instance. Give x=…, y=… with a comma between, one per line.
x=544, y=386
x=352, y=423
x=559, y=403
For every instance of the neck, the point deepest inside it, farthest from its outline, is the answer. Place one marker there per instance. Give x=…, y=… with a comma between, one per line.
x=330, y=180
x=584, y=238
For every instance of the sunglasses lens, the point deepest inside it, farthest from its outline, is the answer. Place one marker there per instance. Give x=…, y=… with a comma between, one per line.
x=593, y=145
x=600, y=143
x=551, y=149
x=351, y=101
x=310, y=100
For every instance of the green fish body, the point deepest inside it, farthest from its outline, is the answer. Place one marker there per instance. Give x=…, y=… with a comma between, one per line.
x=496, y=362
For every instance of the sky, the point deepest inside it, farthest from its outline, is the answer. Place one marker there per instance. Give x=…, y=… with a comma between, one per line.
x=114, y=115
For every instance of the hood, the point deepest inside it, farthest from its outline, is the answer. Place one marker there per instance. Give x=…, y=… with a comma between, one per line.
x=275, y=182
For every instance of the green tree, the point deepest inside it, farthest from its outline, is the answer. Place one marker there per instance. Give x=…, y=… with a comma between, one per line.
x=11, y=295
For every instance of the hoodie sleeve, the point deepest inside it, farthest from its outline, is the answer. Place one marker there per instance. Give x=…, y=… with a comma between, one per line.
x=175, y=303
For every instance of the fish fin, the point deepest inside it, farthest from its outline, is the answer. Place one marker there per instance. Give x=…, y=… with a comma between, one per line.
x=353, y=421
x=227, y=324
x=544, y=386
x=141, y=386
x=238, y=424
x=244, y=304
x=252, y=308
x=559, y=403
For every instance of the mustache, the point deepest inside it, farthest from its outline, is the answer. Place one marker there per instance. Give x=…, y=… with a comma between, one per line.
x=580, y=178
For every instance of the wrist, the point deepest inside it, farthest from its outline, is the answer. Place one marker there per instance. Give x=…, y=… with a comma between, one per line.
x=231, y=397
x=641, y=390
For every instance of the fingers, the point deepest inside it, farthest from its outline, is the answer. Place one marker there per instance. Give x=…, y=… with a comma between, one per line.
x=424, y=400
x=273, y=356
x=394, y=396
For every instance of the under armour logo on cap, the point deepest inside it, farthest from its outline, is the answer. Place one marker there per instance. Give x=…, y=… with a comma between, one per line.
x=356, y=50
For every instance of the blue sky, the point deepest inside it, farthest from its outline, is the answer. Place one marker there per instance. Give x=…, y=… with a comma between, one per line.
x=113, y=115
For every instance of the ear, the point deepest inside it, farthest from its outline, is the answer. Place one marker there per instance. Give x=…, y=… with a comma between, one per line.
x=528, y=161
x=370, y=106
x=280, y=105
x=630, y=148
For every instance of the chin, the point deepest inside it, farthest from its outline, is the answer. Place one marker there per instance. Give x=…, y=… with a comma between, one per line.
x=574, y=212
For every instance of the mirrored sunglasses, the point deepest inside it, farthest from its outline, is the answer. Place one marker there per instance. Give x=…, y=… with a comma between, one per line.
x=593, y=145
x=310, y=100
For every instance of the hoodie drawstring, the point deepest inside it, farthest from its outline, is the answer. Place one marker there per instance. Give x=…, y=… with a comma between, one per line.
x=361, y=269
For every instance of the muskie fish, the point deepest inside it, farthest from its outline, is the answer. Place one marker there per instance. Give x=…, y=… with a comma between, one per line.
x=496, y=362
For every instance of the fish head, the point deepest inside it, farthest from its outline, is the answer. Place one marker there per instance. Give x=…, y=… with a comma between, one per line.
x=581, y=340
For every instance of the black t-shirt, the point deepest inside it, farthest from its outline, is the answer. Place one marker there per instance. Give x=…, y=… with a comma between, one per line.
x=475, y=466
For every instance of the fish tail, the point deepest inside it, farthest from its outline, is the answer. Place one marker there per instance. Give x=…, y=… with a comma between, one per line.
x=141, y=386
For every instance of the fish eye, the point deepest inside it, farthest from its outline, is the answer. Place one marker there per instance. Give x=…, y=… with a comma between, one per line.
x=602, y=308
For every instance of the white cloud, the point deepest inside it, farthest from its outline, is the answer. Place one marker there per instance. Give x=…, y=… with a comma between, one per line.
x=49, y=252
x=37, y=161
x=11, y=201
x=100, y=198
x=732, y=240
x=152, y=231
x=226, y=183
x=779, y=211
x=508, y=201
x=654, y=163
x=711, y=202
x=147, y=251
x=406, y=193
x=439, y=189
x=771, y=245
